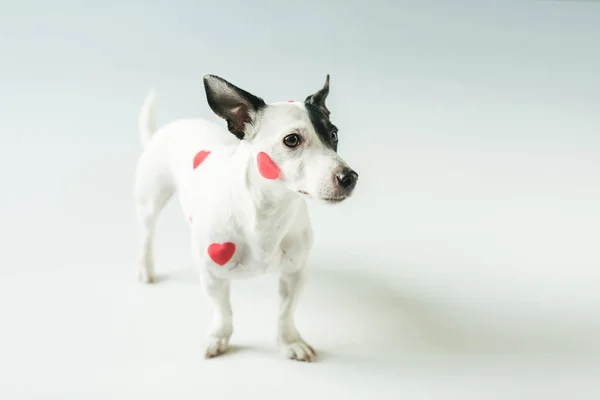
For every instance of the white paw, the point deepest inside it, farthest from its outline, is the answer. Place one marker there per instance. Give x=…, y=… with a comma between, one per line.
x=298, y=350
x=215, y=346
x=144, y=276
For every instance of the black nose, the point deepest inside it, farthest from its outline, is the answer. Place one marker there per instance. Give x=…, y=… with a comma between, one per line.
x=347, y=178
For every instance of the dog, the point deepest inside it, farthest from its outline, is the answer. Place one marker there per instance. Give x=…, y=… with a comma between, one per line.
x=243, y=190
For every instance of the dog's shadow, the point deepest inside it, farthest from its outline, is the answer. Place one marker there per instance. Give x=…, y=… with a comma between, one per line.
x=350, y=310
x=371, y=311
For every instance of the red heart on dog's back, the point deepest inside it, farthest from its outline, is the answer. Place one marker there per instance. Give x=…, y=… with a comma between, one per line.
x=200, y=157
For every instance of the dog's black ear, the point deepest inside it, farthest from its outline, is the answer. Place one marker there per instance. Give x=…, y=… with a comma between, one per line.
x=318, y=99
x=231, y=103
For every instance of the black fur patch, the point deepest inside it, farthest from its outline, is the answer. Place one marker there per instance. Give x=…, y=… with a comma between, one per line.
x=322, y=125
x=318, y=99
x=232, y=103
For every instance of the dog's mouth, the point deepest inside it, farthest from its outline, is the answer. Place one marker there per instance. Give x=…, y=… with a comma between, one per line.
x=330, y=200
x=334, y=200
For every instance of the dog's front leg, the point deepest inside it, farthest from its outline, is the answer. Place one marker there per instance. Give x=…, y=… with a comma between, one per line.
x=288, y=338
x=221, y=328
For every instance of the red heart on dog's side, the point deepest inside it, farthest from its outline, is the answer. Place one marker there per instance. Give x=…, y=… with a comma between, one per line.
x=221, y=253
x=200, y=157
x=266, y=166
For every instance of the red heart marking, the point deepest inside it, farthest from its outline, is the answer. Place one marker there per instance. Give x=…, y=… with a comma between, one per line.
x=266, y=166
x=221, y=253
x=200, y=157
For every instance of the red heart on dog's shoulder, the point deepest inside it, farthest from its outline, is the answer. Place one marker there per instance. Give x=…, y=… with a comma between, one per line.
x=221, y=253
x=200, y=157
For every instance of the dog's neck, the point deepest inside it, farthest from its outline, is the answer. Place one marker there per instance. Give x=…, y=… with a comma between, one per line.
x=262, y=192
x=267, y=207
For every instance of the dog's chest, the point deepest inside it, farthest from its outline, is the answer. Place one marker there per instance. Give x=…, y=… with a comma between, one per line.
x=230, y=251
x=235, y=234
x=242, y=262
x=237, y=242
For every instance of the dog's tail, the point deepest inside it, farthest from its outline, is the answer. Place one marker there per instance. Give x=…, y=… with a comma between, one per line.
x=147, y=119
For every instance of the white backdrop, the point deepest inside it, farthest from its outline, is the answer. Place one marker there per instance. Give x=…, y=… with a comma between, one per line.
x=465, y=266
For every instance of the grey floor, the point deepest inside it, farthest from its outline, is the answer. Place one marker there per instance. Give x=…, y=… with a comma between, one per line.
x=465, y=267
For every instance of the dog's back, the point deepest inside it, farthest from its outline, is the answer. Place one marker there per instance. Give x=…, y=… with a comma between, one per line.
x=173, y=152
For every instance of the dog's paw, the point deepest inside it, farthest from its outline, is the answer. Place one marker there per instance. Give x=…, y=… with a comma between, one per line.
x=143, y=276
x=215, y=346
x=298, y=350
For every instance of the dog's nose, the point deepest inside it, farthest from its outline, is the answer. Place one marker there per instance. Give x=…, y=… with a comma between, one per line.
x=347, y=178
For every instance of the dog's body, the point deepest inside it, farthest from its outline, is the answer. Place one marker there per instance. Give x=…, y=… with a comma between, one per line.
x=243, y=194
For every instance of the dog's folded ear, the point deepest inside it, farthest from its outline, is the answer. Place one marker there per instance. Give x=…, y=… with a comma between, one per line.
x=231, y=103
x=318, y=99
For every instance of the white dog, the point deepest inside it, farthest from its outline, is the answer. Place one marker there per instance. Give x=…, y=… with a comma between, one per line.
x=243, y=190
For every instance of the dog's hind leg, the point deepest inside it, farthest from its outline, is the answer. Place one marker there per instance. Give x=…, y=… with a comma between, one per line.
x=153, y=189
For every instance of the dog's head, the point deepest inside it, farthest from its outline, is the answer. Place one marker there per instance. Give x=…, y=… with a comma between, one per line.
x=292, y=142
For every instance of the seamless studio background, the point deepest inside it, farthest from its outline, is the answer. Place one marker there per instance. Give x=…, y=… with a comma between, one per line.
x=466, y=266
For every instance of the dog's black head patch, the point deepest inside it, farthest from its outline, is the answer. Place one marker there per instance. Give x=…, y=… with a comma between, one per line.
x=325, y=130
x=318, y=99
x=319, y=116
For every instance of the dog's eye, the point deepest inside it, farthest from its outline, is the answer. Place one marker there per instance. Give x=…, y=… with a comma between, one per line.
x=291, y=140
x=334, y=136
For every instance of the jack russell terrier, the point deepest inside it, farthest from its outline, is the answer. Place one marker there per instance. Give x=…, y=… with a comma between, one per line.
x=243, y=190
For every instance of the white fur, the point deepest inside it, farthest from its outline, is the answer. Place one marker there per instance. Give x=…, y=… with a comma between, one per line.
x=228, y=200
